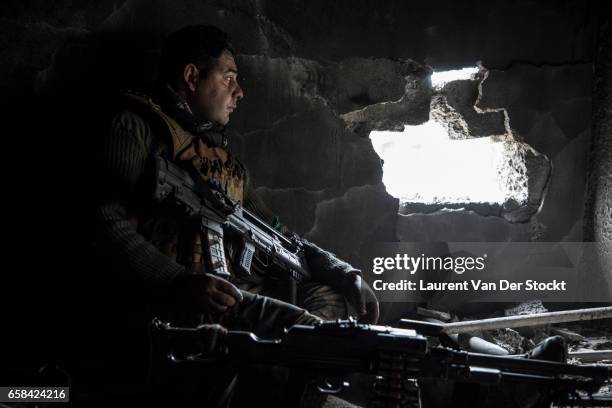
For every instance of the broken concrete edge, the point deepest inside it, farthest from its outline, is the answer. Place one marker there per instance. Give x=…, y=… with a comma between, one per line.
x=539, y=173
x=411, y=109
x=454, y=106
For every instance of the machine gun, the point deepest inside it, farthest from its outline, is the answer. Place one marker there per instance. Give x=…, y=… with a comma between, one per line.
x=206, y=206
x=398, y=359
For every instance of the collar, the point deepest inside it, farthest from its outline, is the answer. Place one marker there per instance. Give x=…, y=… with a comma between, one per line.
x=178, y=108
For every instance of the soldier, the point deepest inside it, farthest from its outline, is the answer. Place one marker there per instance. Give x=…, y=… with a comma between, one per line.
x=160, y=262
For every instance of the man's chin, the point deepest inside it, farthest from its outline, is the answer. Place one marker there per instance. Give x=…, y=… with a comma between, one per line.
x=221, y=122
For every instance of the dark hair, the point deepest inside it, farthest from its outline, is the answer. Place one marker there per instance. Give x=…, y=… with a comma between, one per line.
x=198, y=44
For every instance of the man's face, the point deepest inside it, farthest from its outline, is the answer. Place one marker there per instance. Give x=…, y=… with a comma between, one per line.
x=215, y=96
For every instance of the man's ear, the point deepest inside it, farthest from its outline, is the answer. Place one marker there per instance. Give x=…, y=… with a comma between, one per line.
x=191, y=74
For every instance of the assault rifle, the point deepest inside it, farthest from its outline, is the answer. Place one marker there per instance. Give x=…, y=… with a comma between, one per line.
x=398, y=359
x=207, y=207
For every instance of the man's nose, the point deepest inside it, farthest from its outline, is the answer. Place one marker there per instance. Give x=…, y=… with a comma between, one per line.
x=238, y=92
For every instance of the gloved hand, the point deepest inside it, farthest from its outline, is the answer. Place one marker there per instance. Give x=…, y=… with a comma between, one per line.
x=204, y=293
x=359, y=294
x=328, y=269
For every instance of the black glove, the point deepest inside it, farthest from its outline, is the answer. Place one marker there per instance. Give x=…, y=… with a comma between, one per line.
x=330, y=270
x=359, y=294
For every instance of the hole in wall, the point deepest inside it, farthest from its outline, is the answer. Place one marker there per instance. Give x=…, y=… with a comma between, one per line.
x=423, y=165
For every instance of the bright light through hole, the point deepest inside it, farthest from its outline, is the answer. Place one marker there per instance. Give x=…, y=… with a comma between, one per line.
x=441, y=78
x=422, y=165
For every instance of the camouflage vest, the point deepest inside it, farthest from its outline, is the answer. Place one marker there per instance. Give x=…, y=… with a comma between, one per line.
x=184, y=243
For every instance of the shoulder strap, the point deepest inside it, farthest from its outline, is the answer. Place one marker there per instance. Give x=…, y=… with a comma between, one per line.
x=177, y=137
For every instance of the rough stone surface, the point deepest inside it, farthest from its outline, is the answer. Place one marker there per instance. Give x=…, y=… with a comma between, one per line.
x=563, y=209
x=251, y=31
x=534, y=170
x=508, y=339
x=278, y=87
x=548, y=109
x=460, y=226
x=411, y=109
x=541, y=100
x=32, y=31
x=356, y=83
x=361, y=216
x=310, y=149
x=275, y=88
x=526, y=308
x=444, y=34
x=599, y=198
x=598, y=208
x=453, y=106
x=294, y=206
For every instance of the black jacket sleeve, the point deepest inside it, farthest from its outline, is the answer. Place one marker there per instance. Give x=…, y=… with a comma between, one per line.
x=122, y=159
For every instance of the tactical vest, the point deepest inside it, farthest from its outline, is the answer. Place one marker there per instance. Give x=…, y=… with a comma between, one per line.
x=185, y=243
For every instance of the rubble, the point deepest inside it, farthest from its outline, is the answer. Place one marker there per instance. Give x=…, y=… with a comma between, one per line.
x=529, y=308
x=435, y=314
x=566, y=334
x=526, y=308
x=587, y=341
x=508, y=339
